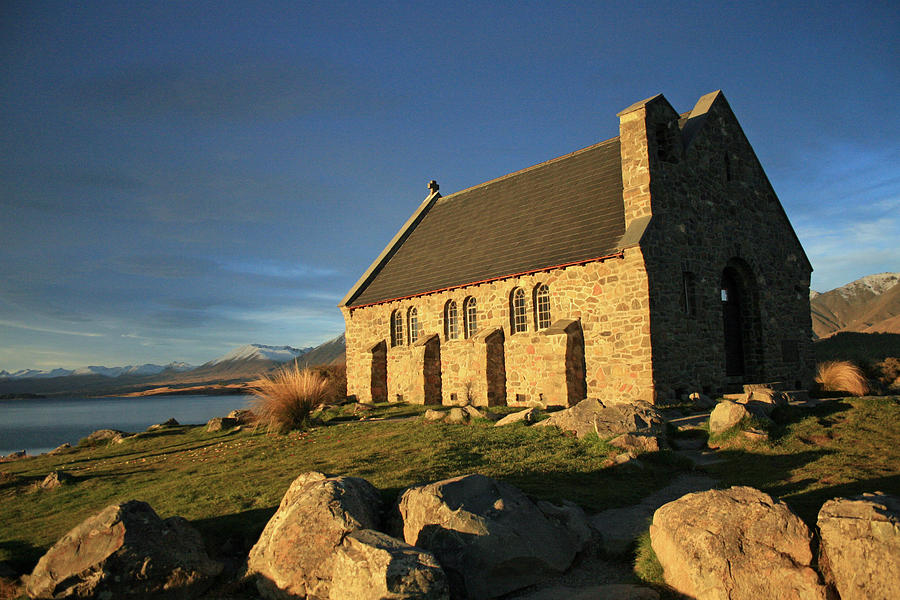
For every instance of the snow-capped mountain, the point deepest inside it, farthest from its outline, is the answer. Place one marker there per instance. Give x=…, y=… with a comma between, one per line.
x=261, y=352
x=870, y=304
x=135, y=370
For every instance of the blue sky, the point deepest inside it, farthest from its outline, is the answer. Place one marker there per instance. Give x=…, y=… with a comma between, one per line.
x=182, y=178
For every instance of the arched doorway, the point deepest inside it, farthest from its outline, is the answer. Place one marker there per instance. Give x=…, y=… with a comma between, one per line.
x=378, y=372
x=741, y=322
x=734, y=330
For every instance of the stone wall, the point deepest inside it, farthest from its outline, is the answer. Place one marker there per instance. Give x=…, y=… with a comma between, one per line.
x=713, y=207
x=605, y=354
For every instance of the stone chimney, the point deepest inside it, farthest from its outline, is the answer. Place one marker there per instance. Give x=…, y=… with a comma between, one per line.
x=639, y=126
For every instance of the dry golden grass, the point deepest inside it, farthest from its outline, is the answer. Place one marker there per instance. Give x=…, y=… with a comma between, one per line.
x=284, y=401
x=841, y=376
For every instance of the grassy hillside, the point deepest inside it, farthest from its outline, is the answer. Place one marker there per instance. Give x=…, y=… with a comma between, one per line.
x=229, y=484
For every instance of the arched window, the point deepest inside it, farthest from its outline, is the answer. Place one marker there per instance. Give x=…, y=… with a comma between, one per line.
x=541, y=307
x=517, y=313
x=470, y=316
x=412, y=321
x=396, y=328
x=451, y=321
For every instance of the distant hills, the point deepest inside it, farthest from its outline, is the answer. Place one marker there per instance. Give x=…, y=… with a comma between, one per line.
x=241, y=364
x=868, y=305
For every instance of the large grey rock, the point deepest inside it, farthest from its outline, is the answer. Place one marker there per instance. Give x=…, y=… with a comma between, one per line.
x=125, y=551
x=113, y=436
x=373, y=565
x=860, y=548
x=727, y=414
x=592, y=416
x=56, y=479
x=221, y=423
x=457, y=416
x=526, y=416
x=243, y=416
x=295, y=554
x=434, y=415
x=736, y=544
x=489, y=537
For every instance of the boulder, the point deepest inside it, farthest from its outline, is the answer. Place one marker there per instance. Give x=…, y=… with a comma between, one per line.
x=243, y=416
x=526, y=416
x=373, y=565
x=221, y=423
x=295, y=554
x=860, y=548
x=56, y=479
x=472, y=412
x=702, y=401
x=727, y=414
x=765, y=395
x=457, y=416
x=434, y=415
x=170, y=423
x=592, y=416
x=61, y=449
x=105, y=435
x=636, y=442
x=737, y=544
x=489, y=537
x=125, y=551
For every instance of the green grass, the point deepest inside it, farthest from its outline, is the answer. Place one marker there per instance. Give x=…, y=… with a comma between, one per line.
x=842, y=447
x=229, y=484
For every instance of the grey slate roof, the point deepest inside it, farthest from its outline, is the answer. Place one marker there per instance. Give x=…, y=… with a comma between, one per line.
x=565, y=210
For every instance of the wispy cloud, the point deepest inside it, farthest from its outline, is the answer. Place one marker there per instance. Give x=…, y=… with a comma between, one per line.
x=244, y=90
x=28, y=327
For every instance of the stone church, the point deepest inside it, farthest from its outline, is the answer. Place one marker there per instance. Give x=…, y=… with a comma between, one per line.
x=654, y=264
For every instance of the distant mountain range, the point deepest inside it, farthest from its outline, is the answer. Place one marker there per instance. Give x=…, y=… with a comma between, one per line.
x=868, y=305
x=241, y=364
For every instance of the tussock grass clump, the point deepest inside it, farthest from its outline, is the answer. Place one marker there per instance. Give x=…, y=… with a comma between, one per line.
x=841, y=376
x=283, y=401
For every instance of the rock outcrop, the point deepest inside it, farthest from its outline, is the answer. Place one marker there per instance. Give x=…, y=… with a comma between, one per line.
x=221, y=423
x=295, y=554
x=592, y=416
x=56, y=479
x=737, y=544
x=526, y=416
x=489, y=537
x=112, y=436
x=860, y=548
x=125, y=551
x=727, y=414
x=373, y=565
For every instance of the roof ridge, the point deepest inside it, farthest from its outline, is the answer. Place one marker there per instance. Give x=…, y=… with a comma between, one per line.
x=443, y=199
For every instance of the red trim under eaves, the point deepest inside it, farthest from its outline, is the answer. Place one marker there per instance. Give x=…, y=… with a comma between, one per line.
x=619, y=254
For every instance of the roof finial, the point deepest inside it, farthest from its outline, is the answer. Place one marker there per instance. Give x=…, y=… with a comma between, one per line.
x=433, y=186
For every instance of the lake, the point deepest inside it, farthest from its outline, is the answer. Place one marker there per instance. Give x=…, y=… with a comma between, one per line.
x=42, y=424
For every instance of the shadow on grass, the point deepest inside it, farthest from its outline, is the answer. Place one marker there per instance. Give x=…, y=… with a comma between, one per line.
x=233, y=535
x=22, y=556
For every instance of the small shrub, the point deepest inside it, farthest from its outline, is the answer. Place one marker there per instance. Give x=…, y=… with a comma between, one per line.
x=284, y=401
x=841, y=376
